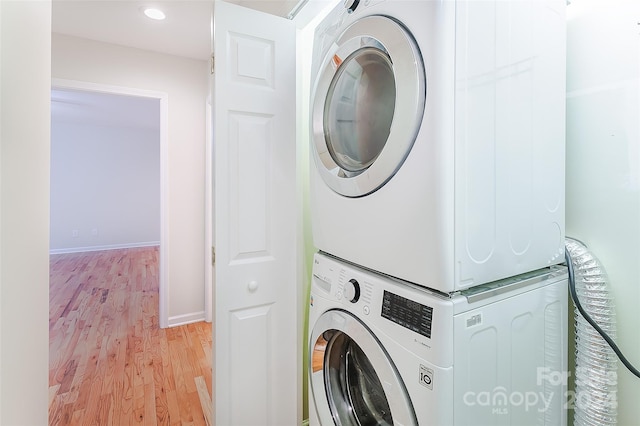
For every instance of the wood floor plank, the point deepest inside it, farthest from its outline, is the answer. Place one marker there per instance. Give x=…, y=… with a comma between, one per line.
x=109, y=362
x=53, y=390
x=205, y=400
x=173, y=408
x=194, y=400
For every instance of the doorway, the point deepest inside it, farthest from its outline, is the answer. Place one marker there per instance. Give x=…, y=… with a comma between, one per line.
x=74, y=95
x=109, y=151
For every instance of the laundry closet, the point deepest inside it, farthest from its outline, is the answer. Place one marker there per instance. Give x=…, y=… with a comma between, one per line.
x=437, y=205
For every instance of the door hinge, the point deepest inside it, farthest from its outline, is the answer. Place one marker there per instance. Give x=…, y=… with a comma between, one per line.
x=213, y=63
x=213, y=256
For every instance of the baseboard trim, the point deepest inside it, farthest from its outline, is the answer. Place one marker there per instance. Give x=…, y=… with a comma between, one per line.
x=186, y=319
x=106, y=247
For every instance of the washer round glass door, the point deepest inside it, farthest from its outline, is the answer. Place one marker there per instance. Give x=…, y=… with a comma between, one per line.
x=368, y=105
x=348, y=367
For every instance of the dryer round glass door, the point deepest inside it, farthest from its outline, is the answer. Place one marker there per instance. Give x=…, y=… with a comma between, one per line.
x=348, y=367
x=368, y=105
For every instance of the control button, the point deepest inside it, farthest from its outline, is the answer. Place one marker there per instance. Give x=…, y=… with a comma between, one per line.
x=339, y=295
x=352, y=291
x=366, y=310
x=351, y=5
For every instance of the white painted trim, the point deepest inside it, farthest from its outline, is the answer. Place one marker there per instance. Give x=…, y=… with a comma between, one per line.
x=105, y=247
x=186, y=319
x=2, y=119
x=163, y=308
x=208, y=215
x=163, y=97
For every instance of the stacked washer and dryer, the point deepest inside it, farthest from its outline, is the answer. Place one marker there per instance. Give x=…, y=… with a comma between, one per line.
x=437, y=199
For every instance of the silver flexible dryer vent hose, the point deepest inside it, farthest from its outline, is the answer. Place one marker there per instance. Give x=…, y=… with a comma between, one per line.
x=595, y=398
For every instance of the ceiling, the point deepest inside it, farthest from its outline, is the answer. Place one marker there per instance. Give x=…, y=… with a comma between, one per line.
x=185, y=32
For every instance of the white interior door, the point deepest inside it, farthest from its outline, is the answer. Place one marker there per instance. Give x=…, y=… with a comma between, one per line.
x=257, y=358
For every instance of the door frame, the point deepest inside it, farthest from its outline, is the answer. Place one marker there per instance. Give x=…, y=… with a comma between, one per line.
x=58, y=83
x=209, y=219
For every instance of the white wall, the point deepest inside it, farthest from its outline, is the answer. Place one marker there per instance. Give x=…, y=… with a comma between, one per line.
x=185, y=82
x=105, y=184
x=25, y=76
x=603, y=161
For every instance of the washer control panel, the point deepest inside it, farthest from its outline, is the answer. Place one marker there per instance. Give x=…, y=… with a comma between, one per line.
x=366, y=293
x=420, y=320
x=407, y=313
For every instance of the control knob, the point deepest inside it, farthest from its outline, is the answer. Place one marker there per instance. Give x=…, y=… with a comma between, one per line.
x=351, y=5
x=352, y=290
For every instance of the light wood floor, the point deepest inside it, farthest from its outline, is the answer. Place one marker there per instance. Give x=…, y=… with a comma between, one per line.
x=109, y=362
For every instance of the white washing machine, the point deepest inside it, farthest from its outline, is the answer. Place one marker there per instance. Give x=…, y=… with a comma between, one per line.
x=438, y=138
x=385, y=352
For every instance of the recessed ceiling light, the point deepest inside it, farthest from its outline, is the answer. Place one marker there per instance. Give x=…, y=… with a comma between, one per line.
x=156, y=14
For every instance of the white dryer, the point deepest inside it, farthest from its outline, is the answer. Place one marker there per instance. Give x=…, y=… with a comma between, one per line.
x=384, y=352
x=438, y=138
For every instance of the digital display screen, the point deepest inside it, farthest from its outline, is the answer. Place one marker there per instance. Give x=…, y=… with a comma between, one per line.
x=407, y=313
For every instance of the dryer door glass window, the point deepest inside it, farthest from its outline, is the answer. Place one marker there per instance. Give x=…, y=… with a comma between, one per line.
x=356, y=396
x=367, y=106
x=359, y=109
